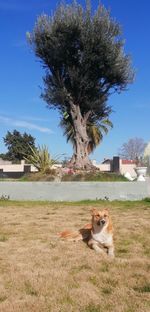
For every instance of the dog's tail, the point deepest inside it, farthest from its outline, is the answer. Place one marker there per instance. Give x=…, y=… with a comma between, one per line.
x=81, y=234
x=70, y=235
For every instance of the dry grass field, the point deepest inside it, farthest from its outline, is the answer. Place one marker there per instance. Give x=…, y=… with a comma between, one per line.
x=41, y=273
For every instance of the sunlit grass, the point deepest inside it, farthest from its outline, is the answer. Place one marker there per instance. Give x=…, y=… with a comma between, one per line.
x=40, y=272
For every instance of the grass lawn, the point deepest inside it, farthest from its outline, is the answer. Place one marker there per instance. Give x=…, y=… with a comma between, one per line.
x=41, y=273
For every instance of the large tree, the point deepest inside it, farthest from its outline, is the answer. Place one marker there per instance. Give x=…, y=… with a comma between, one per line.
x=84, y=61
x=18, y=145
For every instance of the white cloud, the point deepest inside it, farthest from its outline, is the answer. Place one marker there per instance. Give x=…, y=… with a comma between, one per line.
x=24, y=124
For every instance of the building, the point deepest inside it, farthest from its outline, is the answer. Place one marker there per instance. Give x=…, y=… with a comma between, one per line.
x=9, y=170
x=117, y=165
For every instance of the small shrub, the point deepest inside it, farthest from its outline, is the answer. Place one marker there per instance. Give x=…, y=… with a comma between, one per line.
x=147, y=199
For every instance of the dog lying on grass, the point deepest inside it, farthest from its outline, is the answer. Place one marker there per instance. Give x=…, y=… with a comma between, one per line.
x=98, y=234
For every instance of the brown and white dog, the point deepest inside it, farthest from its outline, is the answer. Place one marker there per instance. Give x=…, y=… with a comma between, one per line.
x=98, y=234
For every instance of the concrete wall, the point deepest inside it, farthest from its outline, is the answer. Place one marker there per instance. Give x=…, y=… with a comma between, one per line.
x=74, y=191
x=103, y=167
x=128, y=168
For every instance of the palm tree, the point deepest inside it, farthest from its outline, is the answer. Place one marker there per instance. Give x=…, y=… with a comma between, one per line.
x=95, y=131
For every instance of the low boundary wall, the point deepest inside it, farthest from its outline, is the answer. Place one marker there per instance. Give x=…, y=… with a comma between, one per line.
x=74, y=191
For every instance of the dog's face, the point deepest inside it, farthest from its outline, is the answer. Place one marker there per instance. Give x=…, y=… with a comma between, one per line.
x=100, y=218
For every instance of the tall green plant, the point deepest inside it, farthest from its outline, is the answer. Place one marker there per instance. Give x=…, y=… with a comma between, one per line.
x=41, y=158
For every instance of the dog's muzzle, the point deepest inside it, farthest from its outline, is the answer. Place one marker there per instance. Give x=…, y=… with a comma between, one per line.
x=101, y=222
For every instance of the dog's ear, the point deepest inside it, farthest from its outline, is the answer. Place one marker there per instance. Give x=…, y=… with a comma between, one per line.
x=94, y=211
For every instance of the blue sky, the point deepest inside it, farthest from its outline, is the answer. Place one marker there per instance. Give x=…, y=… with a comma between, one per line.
x=21, y=77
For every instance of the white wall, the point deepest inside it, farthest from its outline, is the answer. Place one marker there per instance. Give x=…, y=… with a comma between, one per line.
x=103, y=167
x=128, y=168
x=16, y=168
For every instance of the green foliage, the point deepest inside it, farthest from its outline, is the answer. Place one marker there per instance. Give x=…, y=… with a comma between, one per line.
x=41, y=158
x=18, y=145
x=96, y=130
x=146, y=199
x=83, y=55
x=4, y=156
x=95, y=177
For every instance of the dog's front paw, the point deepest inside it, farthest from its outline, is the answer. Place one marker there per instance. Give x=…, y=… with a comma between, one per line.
x=98, y=250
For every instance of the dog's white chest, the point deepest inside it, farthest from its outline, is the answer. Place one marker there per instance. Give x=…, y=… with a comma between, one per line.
x=103, y=238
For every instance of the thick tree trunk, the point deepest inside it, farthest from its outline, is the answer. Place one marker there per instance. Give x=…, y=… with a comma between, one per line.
x=80, y=157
